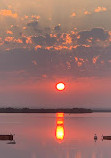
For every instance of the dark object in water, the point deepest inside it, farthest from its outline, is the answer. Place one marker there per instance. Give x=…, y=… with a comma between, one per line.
x=95, y=137
x=6, y=137
x=12, y=142
x=106, y=137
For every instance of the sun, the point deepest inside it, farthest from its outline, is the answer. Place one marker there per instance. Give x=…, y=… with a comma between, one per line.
x=60, y=86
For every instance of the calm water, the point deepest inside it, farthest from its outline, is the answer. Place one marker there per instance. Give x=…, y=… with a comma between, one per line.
x=38, y=135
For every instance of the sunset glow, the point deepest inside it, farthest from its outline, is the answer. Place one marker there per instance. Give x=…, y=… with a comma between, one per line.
x=55, y=57
x=60, y=86
x=55, y=78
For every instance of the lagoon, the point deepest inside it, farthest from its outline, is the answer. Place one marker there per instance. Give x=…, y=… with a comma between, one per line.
x=56, y=136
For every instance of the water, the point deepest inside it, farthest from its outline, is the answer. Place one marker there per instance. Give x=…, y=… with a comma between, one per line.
x=51, y=136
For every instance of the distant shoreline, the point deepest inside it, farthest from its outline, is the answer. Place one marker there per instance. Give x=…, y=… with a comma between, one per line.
x=43, y=110
x=51, y=110
x=99, y=111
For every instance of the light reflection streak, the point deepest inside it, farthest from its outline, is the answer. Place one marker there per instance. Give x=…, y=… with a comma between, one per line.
x=60, y=126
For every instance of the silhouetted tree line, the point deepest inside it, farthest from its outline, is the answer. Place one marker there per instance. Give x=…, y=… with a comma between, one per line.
x=42, y=110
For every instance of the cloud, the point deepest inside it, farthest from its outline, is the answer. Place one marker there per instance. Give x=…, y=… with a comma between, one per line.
x=32, y=23
x=8, y=13
x=34, y=62
x=50, y=40
x=36, y=17
x=100, y=9
x=60, y=41
x=76, y=54
x=68, y=39
x=26, y=17
x=18, y=40
x=73, y=14
x=93, y=35
x=9, y=32
x=24, y=28
x=37, y=47
x=40, y=40
x=1, y=42
x=94, y=60
x=12, y=40
x=46, y=40
x=9, y=39
x=58, y=27
x=76, y=62
x=87, y=12
x=97, y=10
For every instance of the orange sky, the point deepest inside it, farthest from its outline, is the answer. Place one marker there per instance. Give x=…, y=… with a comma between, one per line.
x=84, y=92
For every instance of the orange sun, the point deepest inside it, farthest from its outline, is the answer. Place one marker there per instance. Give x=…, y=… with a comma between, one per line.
x=60, y=86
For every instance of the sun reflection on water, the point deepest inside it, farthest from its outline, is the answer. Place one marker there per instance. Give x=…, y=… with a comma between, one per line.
x=60, y=126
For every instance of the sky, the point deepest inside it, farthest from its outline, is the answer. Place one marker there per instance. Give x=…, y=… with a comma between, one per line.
x=43, y=42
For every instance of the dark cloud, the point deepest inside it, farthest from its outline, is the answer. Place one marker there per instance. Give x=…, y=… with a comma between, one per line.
x=50, y=40
x=58, y=54
x=57, y=28
x=40, y=40
x=24, y=39
x=44, y=40
x=32, y=23
x=94, y=34
x=79, y=62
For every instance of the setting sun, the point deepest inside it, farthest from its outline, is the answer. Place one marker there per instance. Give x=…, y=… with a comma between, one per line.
x=60, y=86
